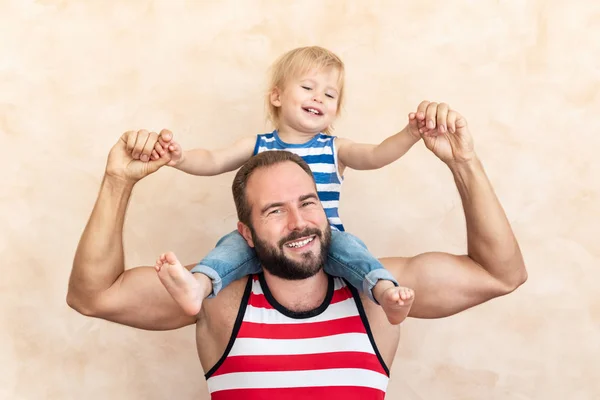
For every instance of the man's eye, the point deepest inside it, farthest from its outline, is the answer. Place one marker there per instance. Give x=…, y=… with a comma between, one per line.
x=308, y=203
x=276, y=211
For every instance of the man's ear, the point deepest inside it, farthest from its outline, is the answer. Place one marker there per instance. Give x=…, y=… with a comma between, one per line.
x=244, y=230
x=275, y=97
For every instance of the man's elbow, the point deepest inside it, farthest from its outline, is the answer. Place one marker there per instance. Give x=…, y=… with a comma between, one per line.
x=515, y=279
x=521, y=278
x=82, y=304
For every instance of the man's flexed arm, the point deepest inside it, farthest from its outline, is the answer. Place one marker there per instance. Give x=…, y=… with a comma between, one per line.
x=99, y=285
x=445, y=284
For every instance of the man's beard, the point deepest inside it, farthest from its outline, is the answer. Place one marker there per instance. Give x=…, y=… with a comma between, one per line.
x=274, y=260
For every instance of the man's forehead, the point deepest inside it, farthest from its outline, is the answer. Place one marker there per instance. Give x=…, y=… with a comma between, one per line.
x=281, y=182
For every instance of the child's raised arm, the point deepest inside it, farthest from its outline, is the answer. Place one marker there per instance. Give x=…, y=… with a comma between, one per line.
x=362, y=156
x=205, y=162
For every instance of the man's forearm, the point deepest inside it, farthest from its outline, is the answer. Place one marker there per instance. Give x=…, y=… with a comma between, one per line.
x=99, y=258
x=491, y=241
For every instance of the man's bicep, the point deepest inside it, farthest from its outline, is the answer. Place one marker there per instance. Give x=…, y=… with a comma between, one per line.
x=140, y=300
x=444, y=284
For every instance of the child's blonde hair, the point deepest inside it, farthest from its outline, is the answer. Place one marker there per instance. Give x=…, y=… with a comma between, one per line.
x=299, y=61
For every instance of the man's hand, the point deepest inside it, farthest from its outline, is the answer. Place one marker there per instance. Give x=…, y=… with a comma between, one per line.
x=444, y=131
x=127, y=156
x=166, y=144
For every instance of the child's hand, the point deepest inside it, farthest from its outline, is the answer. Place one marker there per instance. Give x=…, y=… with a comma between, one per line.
x=167, y=143
x=415, y=125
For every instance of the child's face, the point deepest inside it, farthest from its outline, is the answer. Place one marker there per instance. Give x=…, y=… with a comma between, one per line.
x=309, y=102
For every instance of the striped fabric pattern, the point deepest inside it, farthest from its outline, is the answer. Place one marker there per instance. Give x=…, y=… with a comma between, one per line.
x=276, y=356
x=319, y=153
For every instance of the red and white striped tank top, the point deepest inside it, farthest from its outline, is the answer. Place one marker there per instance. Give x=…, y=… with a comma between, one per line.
x=275, y=353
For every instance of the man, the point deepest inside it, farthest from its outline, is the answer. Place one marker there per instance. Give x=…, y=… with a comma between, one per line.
x=239, y=362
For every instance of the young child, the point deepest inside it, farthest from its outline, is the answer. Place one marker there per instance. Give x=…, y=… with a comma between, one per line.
x=305, y=95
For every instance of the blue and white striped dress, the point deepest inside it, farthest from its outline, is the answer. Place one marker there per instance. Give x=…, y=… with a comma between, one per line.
x=319, y=153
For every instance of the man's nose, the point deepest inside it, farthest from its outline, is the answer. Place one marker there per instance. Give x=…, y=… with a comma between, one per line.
x=296, y=221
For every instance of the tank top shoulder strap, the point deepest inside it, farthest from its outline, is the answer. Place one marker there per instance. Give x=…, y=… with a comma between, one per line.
x=236, y=325
x=365, y=321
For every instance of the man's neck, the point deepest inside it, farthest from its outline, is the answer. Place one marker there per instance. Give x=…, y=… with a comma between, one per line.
x=301, y=295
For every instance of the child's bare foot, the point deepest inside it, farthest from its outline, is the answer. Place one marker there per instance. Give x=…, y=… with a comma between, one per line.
x=396, y=301
x=187, y=289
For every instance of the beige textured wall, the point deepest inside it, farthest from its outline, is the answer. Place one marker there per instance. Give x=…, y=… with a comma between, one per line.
x=74, y=75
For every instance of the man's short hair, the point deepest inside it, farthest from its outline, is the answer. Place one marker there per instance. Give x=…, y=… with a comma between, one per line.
x=261, y=160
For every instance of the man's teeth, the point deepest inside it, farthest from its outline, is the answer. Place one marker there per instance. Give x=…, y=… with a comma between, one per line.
x=300, y=243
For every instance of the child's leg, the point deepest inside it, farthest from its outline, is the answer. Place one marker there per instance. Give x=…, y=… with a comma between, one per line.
x=350, y=259
x=186, y=289
x=230, y=260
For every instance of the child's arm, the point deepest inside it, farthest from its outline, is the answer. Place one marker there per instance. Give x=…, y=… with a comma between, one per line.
x=361, y=156
x=205, y=162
